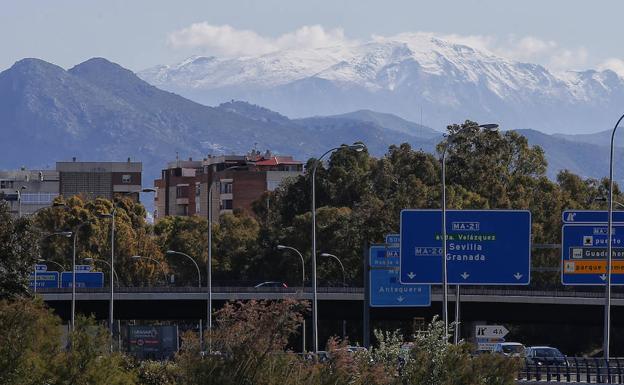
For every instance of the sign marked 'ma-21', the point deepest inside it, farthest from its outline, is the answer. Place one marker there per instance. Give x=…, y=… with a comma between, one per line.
x=484, y=247
x=584, y=254
x=385, y=288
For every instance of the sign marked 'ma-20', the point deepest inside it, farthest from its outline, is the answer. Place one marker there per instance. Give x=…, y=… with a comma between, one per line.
x=484, y=247
x=584, y=254
x=385, y=288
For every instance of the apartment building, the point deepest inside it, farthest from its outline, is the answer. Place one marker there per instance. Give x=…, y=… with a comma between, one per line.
x=236, y=181
x=99, y=179
x=27, y=191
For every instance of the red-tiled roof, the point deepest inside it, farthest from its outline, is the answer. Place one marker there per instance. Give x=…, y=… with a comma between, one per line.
x=277, y=160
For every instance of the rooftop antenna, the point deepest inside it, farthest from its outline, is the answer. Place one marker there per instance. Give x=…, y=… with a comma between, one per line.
x=177, y=159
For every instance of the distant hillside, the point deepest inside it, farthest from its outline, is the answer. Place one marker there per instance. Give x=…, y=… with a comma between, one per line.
x=602, y=138
x=391, y=122
x=342, y=128
x=99, y=110
x=584, y=159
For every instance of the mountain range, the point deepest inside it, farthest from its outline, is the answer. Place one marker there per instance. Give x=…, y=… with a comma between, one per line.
x=99, y=110
x=415, y=76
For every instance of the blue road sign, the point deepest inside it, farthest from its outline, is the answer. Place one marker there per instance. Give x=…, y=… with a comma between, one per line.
x=591, y=216
x=385, y=288
x=393, y=239
x=45, y=280
x=484, y=247
x=83, y=279
x=584, y=254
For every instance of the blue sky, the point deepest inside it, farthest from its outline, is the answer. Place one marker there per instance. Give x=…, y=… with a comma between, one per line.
x=140, y=33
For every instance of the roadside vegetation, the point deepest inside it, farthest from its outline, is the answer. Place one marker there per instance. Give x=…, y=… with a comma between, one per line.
x=249, y=345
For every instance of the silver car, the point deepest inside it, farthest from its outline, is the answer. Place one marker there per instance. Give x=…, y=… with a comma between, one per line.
x=510, y=349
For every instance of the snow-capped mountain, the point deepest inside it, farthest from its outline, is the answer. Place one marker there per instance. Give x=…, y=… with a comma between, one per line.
x=410, y=75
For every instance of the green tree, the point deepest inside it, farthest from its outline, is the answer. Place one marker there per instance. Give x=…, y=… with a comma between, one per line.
x=133, y=236
x=30, y=338
x=237, y=252
x=19, y=247
x=187, y=235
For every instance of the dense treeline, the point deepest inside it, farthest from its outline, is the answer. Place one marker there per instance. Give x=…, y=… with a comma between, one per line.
x=359, y=199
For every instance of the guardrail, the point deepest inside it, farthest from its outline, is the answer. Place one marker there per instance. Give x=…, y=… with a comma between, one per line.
x=574, y=370
x=466, y=291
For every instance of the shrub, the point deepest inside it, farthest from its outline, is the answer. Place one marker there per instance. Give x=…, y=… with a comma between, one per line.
x=88, y=360
x=30, y=338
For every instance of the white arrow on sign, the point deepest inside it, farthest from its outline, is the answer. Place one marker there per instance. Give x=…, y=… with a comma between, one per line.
x=491, y=331
x=465, y=275
x=400, y=299
x=518, y=276
x=603, y=277
x=411, y=275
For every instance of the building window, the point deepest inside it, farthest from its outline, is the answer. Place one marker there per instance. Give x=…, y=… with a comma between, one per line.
x=182, y=192
x=226, y=204
x=6, y=184
x=41, y=198
x=126, y=178
x=273, y=184
x=226, y=188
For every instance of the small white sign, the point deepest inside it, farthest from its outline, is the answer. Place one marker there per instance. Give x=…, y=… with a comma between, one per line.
x=491, y=331
x=40, y=268
x=488, y=343
x=83, y=267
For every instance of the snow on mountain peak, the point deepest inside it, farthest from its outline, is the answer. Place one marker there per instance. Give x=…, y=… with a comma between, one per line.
x=449, y=79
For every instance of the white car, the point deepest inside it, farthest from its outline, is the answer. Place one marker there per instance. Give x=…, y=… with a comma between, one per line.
x=509, y=349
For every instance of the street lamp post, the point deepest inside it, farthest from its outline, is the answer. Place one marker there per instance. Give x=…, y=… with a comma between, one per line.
x=607, y=307
x=172, y=252
x=209, y=261
x=356, y=147
x=112, y=266
x=93, y=260
x=112, y=276
x=603, y=199
x=344, y=284
x=448, y=141
x=41, y=260
x=162, y=267
x=19, y=200
x=303, y=329
x=73, y=296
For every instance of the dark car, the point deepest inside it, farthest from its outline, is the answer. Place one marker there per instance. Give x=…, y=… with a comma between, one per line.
x=545, y=355
x=271, y=284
